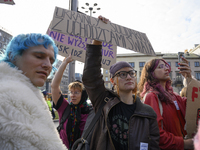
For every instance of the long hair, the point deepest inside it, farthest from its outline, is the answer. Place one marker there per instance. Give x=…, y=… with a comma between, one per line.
x=148, y=82
x=22, y=42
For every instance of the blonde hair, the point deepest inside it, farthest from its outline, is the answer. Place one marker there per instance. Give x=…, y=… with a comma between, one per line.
x=183, y=92
x=76, y=85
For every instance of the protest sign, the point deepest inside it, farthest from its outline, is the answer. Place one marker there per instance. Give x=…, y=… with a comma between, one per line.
x=77, y=24
x=76, y=46
x=192, y=107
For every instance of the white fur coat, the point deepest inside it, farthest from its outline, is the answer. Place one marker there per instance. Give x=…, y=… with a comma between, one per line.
x=25, y=120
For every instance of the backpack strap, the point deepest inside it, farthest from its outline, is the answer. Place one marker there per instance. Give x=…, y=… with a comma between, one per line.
x=65, y=115
x=94, y=120
x=159, y=104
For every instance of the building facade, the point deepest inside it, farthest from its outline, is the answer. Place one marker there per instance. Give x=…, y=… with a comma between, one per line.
x=5, y=37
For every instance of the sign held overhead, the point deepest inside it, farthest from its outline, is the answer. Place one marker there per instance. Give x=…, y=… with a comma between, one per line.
x=77, y=24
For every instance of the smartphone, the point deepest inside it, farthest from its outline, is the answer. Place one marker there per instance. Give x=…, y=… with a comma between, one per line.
x=180, y=60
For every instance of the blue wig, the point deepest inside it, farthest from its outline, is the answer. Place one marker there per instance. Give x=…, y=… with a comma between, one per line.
x=22, y=42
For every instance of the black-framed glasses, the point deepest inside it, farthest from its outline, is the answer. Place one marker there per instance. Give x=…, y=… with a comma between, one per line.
x=123, y=74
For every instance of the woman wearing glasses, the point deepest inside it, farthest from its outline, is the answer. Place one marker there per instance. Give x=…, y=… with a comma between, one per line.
x=125, y=122
x=79, y=108
x=155, y=88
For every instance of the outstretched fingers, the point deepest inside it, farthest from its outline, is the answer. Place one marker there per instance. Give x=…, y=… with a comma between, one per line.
x=105, y=20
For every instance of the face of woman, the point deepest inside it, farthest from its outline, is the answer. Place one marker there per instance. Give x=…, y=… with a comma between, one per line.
x=75, y=95
x=162, y=71
x=126, y=79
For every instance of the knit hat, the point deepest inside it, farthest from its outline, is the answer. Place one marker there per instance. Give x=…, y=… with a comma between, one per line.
x=117, y=66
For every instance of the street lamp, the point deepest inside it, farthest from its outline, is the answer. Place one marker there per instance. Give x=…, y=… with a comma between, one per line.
x=91, y=9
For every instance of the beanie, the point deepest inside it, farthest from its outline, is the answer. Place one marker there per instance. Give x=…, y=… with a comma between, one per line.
x=117, y=66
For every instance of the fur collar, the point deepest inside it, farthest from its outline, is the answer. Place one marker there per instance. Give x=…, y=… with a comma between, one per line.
x=26, y=121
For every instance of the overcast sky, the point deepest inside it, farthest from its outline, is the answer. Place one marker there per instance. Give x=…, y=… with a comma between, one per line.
x=170, y=25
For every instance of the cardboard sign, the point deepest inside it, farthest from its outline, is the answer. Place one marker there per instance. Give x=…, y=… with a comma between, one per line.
x=192, y=108
x=77, y=24
x=76, y=46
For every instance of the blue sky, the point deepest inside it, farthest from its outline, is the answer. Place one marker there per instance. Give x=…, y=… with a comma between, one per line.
x=170, y=25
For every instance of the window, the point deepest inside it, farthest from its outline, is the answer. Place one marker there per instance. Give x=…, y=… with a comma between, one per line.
x=106, y=71
x=132, y=64
x=196, y=64
x=106, y=84
x=197, y=75
x=169, y=63
x=4, y=39
x=178, y=76
x=141, y=64
x=177, y=64
x=106, y=78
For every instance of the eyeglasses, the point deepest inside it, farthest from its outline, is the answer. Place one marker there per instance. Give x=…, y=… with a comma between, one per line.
x=123, y=74
x=74, y=93
x=161, y=66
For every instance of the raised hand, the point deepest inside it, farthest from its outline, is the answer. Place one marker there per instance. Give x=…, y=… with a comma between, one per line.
x=185, y=69
x=105, y=20
x=68, y=59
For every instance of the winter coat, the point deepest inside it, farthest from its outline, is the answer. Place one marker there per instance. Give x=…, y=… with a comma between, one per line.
x=25, y=119
x=143, y=127
x=171, y=137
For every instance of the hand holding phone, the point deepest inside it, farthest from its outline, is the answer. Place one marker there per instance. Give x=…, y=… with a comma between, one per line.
x=180, y=56
x=184, y=66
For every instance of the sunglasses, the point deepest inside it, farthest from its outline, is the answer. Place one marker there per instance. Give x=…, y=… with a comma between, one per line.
x=123, y=74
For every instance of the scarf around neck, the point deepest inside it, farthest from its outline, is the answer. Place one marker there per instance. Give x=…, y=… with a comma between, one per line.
x=74, y=120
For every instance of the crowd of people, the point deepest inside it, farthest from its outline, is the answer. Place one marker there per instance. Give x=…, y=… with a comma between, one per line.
x=138, y=116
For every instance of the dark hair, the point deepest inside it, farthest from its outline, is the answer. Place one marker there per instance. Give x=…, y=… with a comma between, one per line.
x=148, y=82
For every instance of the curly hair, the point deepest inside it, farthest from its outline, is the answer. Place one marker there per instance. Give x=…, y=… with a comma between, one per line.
x=22, y=42
x=76, y=85
x=148, y=82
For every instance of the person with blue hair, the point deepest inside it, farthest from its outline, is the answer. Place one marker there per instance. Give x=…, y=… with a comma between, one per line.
x=26, y=122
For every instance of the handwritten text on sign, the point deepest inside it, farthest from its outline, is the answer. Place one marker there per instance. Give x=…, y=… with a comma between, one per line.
x=74, y=23
x=76, y=46
x=193, y=106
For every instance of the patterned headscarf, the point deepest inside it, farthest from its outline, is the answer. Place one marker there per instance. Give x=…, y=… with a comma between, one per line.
x=73, y=129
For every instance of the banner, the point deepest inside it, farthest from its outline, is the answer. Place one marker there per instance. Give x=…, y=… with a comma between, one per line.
x=193, y=107
x=77, y=24
x=76, y=46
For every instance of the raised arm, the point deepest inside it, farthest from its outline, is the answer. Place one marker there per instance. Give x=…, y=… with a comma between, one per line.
x=55, y=85
x=92, y=77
